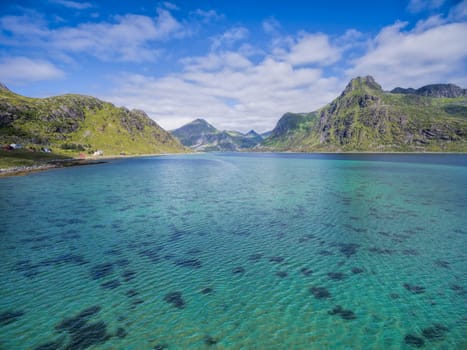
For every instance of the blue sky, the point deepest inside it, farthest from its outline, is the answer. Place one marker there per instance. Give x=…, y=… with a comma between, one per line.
x=240, y=65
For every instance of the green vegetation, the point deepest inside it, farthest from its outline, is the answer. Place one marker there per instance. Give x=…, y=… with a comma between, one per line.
x=365, y=118
x=74, y=124
x=18, y=158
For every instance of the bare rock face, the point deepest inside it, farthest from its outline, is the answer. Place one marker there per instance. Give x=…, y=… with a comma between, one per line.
x=133, y=121
x=8, y=113
x=441, y=90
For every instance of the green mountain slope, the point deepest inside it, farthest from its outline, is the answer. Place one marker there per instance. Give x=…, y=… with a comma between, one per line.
x=365, y=118
x=199, y=135
x=72, y=124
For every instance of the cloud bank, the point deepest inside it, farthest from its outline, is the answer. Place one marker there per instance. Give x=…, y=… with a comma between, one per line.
x=23, y=69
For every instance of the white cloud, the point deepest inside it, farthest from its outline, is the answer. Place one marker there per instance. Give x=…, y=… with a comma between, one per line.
x=350, y=38
x=459, y=12
x=311, y=49
x=228, y=38
x=129, y=38
x=237, y=84
x=271, y=26
x=216, y=61
x=234, y=90
x=170, y=6
x=422, y=5
x=26, y=26
x=430, y=22
x=229, y=90
x=73, y=4
x=208, y=15
x=22, y=69
x=413, y=58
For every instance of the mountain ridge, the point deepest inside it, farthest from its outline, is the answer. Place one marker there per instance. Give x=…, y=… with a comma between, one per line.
x=366, y=118
x=434, y=90
x=363, y=117
x=199, y=135
x=72, y=124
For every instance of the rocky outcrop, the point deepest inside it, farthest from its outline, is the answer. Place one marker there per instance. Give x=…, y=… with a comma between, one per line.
x=362, y=85
x=399, y=90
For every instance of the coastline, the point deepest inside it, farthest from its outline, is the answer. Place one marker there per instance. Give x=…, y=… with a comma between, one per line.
x=71, y=162
x=65, y=163
x=29, y=169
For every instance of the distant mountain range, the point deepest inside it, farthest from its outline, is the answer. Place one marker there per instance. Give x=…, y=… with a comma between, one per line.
x=365, y=118
x=434, y=90
x=199, y=135
x=73, y=124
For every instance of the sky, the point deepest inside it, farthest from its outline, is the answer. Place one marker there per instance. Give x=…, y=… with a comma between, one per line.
x=238, y=64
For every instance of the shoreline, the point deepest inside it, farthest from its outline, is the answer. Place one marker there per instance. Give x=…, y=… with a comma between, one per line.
x=72, y=162
x=355, y=152
x=57, y=164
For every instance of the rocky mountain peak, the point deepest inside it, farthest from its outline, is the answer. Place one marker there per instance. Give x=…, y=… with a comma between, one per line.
x=202, y=136
x=252, y=133
x=362, y=84
x=140, y=113
x=199, y=125
x=200, y=121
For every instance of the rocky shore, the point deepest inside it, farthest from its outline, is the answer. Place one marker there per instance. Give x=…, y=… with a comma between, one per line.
x=24, y=170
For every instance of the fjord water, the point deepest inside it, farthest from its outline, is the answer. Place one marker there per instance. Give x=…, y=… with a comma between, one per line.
x=237, y=251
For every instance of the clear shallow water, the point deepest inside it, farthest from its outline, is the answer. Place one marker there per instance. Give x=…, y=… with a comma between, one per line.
x=237, y=251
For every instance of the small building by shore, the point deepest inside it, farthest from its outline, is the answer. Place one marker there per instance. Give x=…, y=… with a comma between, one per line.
x=16, y=146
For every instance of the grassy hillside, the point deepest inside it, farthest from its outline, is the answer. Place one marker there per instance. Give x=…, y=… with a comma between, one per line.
x=22, y=158
x=74, y=124
x=365, y=118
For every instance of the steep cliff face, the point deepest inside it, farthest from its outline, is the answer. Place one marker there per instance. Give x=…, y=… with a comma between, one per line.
x=77, y=123
x=365, y=118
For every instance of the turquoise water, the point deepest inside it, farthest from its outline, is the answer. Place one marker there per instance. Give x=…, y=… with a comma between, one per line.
x=237, y=251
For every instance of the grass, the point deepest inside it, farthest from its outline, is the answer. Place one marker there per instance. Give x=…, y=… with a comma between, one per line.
x=92, y=124
x=385, y=122
x=17, y=158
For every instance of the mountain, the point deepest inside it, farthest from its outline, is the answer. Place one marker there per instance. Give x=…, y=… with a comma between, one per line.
x=365, y=118
x=199, y=135
x=72, y=124
x=434, y=90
